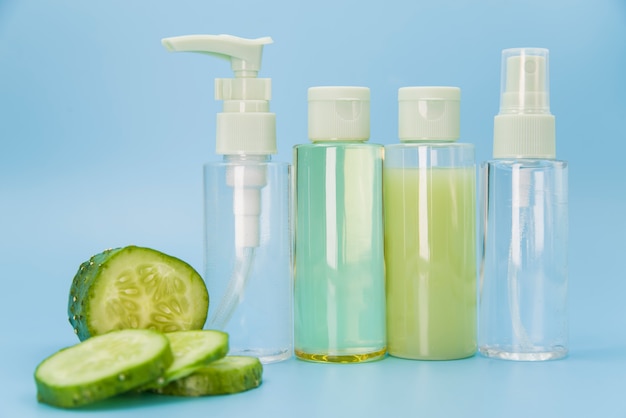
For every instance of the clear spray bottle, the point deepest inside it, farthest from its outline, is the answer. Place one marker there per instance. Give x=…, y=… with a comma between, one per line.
x=246, y=207
x=523, y=280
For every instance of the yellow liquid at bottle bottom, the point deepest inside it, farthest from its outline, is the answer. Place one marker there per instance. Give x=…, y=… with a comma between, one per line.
x=430, y=262
x=341, y=358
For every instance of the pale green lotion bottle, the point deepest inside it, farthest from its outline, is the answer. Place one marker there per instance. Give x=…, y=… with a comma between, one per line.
x=430, y=230
x=339, y=267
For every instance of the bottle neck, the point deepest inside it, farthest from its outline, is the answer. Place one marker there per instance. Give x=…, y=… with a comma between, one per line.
x=238, y=158
x=340, y=140
x=429, y=141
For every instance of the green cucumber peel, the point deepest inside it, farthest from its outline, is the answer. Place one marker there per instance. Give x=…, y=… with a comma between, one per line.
x=133, y=288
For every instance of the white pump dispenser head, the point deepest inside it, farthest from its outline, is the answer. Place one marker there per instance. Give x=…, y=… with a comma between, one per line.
x=524, y=128
x=245, y=126
x=246, y=130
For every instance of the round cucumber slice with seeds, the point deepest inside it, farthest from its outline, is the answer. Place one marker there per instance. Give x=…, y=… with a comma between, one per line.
x=136, y=287
x=101, y=367
x=192, y=350
x=231, y=374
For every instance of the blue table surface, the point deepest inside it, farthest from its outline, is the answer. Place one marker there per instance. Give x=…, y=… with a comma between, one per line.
x=589, y=382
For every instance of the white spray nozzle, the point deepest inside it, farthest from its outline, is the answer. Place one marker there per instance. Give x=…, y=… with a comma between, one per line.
x=524, y=128
x=525, y=87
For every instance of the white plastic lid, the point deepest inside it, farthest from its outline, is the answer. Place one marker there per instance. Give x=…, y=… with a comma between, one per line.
x=524, y=128
x=429, y=113
x=339, y=113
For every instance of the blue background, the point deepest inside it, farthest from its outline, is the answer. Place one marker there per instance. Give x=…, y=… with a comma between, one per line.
x=104, y=135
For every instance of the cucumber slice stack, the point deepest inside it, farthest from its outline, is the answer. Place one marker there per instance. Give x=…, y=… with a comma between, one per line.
x=136, y=287
x=139, y=314
x=102, y=367
x=184, y=363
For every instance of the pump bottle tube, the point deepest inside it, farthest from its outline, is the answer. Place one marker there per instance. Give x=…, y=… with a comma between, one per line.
x=248, y=256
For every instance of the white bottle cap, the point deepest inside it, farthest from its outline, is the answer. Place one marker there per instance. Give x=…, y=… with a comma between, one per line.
x=524, y=128
x=339, y=113
x=429, y=113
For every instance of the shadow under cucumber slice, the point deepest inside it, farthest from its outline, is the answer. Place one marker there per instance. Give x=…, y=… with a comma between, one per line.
x=136, y=287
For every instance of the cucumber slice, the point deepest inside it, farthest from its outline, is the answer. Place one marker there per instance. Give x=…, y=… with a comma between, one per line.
x=232, y=374
x=101, y=367
x=136, y=287
x=192, y=351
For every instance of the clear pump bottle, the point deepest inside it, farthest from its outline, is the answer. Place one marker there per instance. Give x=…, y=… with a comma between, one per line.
x=430, y=230
x=248, y=247
x=523, y=283
x=339, y=265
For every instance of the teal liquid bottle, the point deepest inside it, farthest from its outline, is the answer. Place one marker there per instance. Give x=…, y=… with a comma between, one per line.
x=339, y=283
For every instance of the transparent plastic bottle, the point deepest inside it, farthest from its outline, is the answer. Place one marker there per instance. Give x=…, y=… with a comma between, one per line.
x=339, y=267
x=249, y=285
x=524, y=226
x=430, y=230
x=248, y=244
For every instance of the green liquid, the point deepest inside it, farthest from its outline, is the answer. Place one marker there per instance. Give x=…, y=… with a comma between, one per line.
x=431, y=262
x=339, y=267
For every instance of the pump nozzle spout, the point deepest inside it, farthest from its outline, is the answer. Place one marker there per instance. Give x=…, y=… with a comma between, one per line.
x=244, y=54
